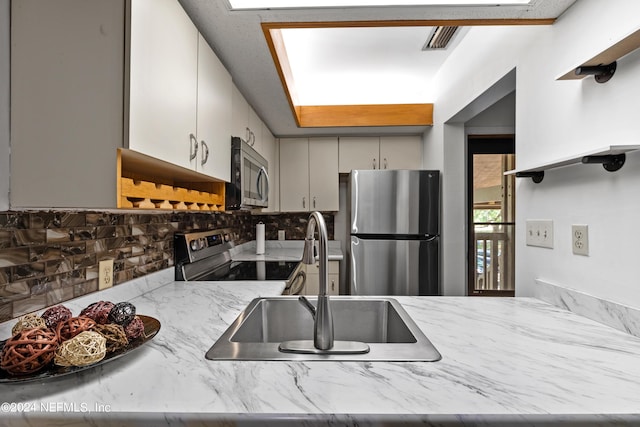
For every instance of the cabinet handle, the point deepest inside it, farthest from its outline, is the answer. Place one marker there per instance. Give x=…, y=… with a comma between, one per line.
x=385, y=162
x=304, y=203
x=333, y=285
x=374, y=164
x=193, y=147
x=205, y=153
x=314, y=202
x=251, y=137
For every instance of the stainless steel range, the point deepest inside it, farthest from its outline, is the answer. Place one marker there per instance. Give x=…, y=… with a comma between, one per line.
x=206, y=256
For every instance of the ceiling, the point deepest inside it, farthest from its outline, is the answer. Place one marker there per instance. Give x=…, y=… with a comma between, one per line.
x=341, y=66
x=238, y=40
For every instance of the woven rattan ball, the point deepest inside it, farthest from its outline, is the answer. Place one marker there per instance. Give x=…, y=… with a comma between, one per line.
x=98, y=311
x=135, y=328
x=29, y=351
x=84, y=349
x=122, y=313
x=56, y=314
x=114, y=334
x=72, y=327
x=29, y=321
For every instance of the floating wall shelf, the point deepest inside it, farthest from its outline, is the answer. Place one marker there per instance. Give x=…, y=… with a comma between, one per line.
x=603, y=65
x=611, y=157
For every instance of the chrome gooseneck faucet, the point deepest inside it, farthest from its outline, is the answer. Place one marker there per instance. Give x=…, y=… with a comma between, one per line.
x=323, y=342
x=323, y=319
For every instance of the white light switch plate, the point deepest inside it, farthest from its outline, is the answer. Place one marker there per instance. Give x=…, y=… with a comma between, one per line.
x=540, y=233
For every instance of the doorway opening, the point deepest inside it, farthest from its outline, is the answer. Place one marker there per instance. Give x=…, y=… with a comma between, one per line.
x=491, y=215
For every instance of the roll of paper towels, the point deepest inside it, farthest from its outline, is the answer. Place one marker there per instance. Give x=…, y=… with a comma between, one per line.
x=260, y=238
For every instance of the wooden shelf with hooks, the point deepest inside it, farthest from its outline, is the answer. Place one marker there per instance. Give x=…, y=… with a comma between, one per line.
x=612, y=157
x=610, y=55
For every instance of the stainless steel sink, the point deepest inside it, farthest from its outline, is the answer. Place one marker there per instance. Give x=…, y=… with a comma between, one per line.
x=382, y=323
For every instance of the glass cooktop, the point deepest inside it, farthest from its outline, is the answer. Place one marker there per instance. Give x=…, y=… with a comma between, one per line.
x=252, y=270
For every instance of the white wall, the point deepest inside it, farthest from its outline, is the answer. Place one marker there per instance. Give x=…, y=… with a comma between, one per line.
x=553, y=119
x=500, y=118
x=484, y=60
x=5, y=34
x=557, y=119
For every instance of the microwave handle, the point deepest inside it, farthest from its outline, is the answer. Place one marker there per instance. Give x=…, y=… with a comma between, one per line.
x=263, y=197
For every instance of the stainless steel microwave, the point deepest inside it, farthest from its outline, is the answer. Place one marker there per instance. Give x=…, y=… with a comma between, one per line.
x=249, y=186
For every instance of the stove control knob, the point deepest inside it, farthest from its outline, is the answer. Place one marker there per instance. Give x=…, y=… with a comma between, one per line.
x=194, y=245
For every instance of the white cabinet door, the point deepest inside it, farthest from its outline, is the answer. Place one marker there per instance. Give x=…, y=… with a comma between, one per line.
x=358, y=153
x=294, y=175
x=401, y=152
x=323, y=174
x=163, y=81
x=67, y=61
x=255, y=131
x=312, y=283
x=214, y=114
x=271, y=153
x=239, y=115
x=309, y=174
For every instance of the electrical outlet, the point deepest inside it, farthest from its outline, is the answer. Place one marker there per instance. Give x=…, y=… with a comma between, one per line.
x=580, y=239
x=105, y=274
x=540, y=233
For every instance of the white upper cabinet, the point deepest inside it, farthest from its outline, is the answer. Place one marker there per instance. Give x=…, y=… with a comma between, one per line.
x=163, y=82
x=67, y=103
x=246, y=124
x=400, y=152
x=255, y=131
x=70, y=114
x=239, y=115
x=294, y=175
x=180, y=92
x=358, y=153
x=385, y=152
x=214, y=114
x=309, y=174
x=323, y=174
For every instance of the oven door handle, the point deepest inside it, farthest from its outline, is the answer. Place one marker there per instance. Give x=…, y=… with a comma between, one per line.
x=295, y=288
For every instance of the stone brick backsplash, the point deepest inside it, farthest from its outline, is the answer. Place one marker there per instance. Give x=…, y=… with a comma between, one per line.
x=294, y=225
x=47, y=257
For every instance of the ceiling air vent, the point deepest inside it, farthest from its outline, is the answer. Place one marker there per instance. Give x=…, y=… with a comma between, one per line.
x=439, y=38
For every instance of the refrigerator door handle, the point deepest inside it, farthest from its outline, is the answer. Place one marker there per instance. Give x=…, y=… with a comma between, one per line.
x=420, y=237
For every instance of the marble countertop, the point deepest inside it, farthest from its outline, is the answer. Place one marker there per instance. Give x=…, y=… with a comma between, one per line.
x=504, y=360
x=282, y=250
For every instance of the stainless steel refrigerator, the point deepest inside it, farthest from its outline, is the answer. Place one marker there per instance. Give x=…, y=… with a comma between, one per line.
x=395, y=232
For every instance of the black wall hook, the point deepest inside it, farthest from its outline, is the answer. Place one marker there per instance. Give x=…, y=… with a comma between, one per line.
x=601, y=73
x=536, y=176
x=611, y=162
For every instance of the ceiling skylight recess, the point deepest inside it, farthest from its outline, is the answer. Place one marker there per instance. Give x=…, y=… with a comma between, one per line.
x=302, y=4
